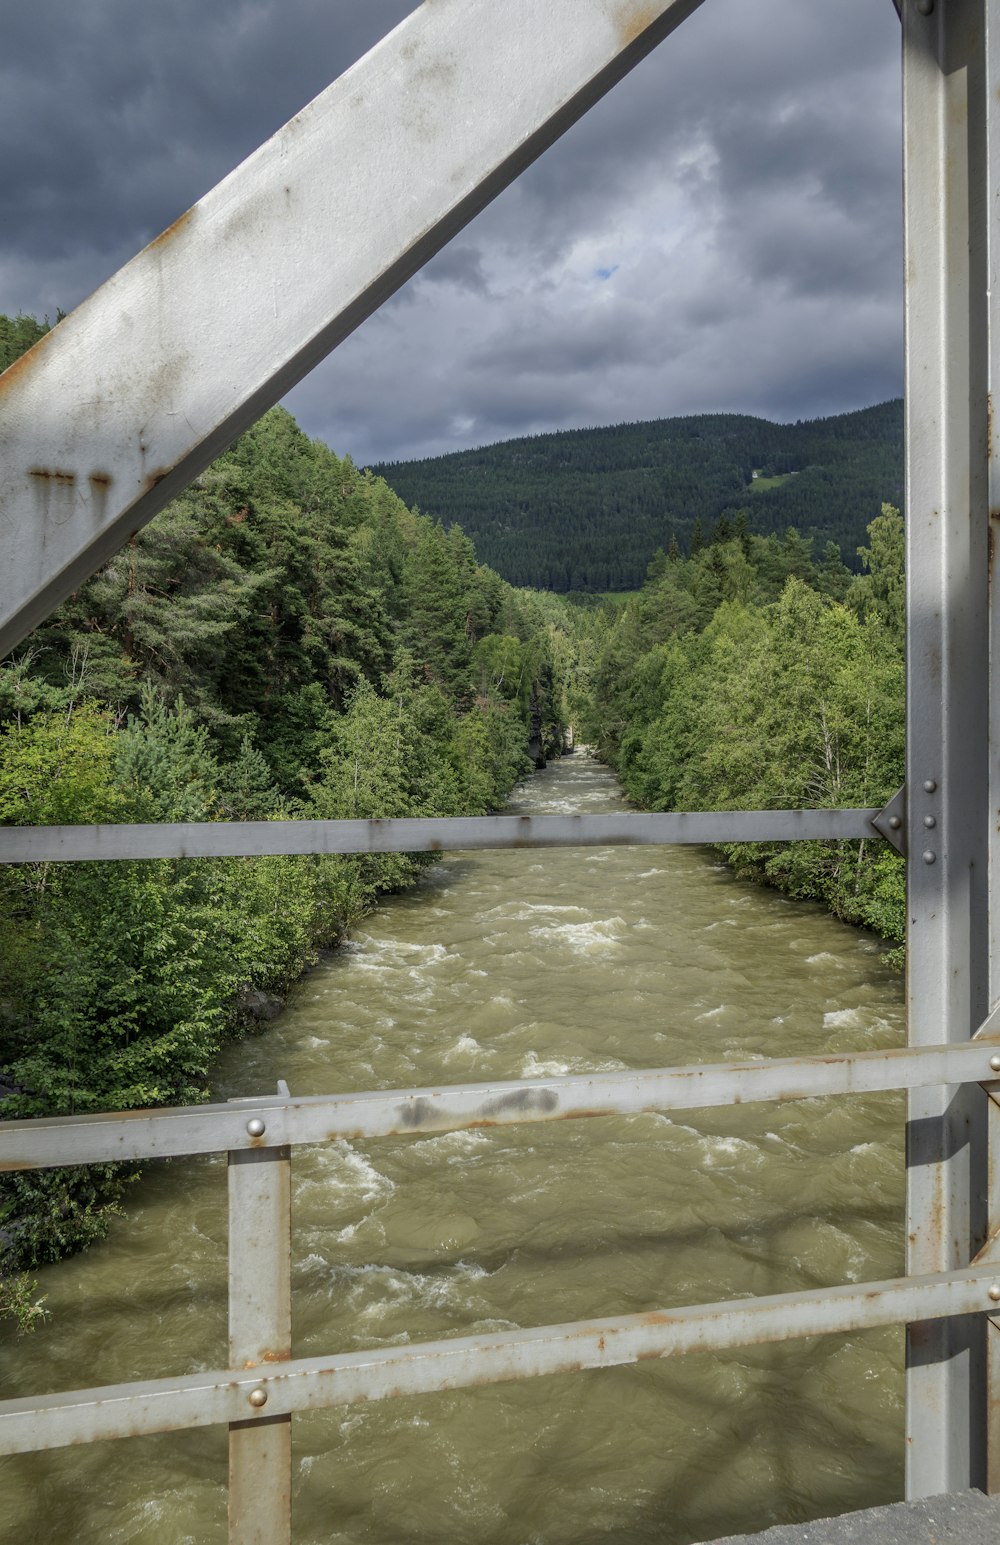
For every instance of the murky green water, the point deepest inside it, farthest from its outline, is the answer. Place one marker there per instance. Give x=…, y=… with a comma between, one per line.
x=507, y=965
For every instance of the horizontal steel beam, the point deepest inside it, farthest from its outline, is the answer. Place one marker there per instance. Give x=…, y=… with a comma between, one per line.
x=122, y=404
x=315, y=1383
x=274, y=1121
x=253, y=839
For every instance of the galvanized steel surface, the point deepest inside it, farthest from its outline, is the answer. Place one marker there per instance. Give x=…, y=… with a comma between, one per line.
x=260, y=1332
x=260, y=1124
x=315, y=1383
x=130, y=397
x=949, y=755
x=217, y=839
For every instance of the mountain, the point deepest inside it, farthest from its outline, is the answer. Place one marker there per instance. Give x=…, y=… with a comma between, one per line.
x=586, y=509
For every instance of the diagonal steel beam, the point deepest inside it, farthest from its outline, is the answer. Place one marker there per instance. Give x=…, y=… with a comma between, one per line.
x=129, y=398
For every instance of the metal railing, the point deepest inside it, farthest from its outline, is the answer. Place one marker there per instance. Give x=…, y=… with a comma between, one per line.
x=263, y=1385
x=85, y=470
x=258, y=1393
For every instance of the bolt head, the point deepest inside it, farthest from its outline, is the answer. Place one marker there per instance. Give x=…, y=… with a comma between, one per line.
x=995, y=1064
x=930, y=785
x=994, y=1292
x=895, y=822
x=925, y=7
x=929, y=857
x=258, y=1397
x=930, y=822
x=256, y=1127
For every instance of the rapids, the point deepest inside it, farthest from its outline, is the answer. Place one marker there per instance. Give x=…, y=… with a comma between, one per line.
x=508, y=965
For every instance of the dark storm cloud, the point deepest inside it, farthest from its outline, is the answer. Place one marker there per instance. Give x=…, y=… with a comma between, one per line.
x=722, y=231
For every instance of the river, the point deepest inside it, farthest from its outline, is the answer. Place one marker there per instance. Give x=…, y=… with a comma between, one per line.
x=508, y=965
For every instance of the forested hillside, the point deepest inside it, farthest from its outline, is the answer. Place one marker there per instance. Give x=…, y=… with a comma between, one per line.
x=586, y=509
x=749, y=678
x=286, y=638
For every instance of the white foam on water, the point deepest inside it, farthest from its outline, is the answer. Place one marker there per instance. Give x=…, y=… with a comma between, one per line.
x=647, y=874
x=711, y=1013
x=824, y=958
x=348, y=1173
x=534, y=1067
x=589, y=938
x=465, y=1046
x=840, y=1019
x=538, y=1067
x=717, y=1150
x=455, y=1146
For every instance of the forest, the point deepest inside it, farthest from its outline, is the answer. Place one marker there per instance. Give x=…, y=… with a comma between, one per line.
x=751, y=677
x=288, y=638
x=285, y=639
x=586, y=509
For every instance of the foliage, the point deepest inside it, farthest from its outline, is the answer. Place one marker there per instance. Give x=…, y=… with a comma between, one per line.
x=749, y=677
x=286, y=638
x=587, y=509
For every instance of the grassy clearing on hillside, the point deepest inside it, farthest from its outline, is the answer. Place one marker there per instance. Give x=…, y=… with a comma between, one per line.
x=760, y=485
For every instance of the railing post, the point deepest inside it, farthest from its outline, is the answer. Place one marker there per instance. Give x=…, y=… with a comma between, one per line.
x=948, y=748
x=260, y=1448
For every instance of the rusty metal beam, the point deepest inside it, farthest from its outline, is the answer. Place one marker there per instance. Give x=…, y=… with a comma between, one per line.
x=316, y=1383
x=129, y=398
x=260, y=1335
x=271, y=1121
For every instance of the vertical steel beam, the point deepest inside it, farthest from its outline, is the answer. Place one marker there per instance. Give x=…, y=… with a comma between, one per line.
x=260, y=1333
x=944, y=126
x=992, y=1251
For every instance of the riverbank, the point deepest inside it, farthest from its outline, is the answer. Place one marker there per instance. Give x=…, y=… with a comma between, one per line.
x=505, y=964
x=752, y=676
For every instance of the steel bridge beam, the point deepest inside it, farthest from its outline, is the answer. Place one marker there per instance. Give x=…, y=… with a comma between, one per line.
x=428, y=834
x=129, y=398
x=946, y=96
x=246, y=1397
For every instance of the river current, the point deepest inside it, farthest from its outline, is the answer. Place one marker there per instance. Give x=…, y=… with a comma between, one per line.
x=508, y=965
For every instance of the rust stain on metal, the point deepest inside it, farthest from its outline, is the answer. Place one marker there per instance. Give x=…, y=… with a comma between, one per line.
x=44, y=474
x=100, y=480
x=165, y=237
x=634, y=21
x=155, y=477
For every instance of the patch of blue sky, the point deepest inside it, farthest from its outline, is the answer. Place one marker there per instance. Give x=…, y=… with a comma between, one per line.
x=605, y=273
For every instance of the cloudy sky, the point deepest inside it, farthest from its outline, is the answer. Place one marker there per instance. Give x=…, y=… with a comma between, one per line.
x=722, y=232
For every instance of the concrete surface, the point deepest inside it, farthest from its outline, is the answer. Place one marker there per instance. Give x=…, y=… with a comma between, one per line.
x=960, y=1518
